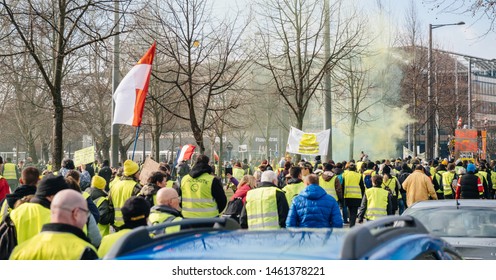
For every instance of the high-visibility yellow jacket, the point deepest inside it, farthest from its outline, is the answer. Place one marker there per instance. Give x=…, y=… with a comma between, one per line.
x=261, y=208
x=55, y=242
x=197, y=199
x=352, y=185
x=28, y=219
x=292, y=190
x=377, y=201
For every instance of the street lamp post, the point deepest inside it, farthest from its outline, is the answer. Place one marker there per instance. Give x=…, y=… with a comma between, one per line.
x=430, y=120
x=229, y=148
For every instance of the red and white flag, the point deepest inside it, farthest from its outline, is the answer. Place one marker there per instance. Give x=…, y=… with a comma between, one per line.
x=186, y=153
x=130, y=95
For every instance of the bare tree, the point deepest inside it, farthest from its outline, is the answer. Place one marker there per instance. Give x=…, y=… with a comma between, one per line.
x=480, y=9
x=293, y=49
x=205, y=59
x=53, y=32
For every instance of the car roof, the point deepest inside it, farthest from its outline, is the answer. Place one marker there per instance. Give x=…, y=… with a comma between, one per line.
x=485, y=203
x=221, y=238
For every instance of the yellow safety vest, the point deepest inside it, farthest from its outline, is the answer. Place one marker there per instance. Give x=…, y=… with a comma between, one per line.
x=121, y=192
x=352, y=185
x=377, y=200
x=49, y=167
x=238, y=173
x=391, y=184
x=9, y=171
x=157, y=217
x=104, y=229
x=292, y=190
x=482, y=175
x=197, y=199
x=493, y=179
x=329, y=186
x=4, y=210
x=109, y=240
x=49, y=245
x=261, y=208
x=114, y=182
x=447, y=179
x=28, y=219
x=438, y=176
x=170, y=184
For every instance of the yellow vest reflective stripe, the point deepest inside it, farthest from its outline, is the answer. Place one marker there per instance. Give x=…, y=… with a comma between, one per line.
x=329, y=186
x=49, y=245
x=197, y=199
x=121, y=192
x=447, y=179
x=158, y=217
x=377, y=200
x=292, y=190
x=110, y=240
x=104, y=229
x=9, y=171
x=28, y=219
x=261, y=208
x=352, y=185
x=238, y=173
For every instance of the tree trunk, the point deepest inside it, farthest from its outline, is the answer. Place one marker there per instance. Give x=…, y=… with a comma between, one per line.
x=58, y=119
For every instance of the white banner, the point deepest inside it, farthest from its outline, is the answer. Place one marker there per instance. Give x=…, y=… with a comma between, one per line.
x=242, y=148
x=303, y=143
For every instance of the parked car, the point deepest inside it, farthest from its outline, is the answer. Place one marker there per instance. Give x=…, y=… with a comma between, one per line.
x=221, y=238
x=467, y=224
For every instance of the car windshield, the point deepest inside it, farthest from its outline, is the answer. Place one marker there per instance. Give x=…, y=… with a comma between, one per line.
x=245, y=244
x=463, y=222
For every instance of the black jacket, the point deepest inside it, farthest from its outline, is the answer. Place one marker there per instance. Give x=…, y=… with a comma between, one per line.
x=282, y=207
x=106, y=212
x=468, y=186
x=217, y=189
x=19, y=193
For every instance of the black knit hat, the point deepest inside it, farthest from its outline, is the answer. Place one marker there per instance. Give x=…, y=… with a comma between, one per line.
x=50, y=185
x=136, y=211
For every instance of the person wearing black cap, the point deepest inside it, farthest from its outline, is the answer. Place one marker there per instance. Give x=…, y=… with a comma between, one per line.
x=63, y=237
x=135, y=212
x=29, y=217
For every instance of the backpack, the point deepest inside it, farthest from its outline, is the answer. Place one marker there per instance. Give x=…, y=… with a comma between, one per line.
x=8, y=238
x=368, y=180
x=233, y=209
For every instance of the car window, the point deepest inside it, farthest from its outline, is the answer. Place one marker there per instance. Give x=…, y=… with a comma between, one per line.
x=464, y=222
x=427, y=256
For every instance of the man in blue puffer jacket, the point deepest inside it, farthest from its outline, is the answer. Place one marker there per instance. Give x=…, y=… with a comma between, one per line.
x=314, y=208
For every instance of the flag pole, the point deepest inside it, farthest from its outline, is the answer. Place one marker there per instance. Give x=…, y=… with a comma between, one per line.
x=136, y=140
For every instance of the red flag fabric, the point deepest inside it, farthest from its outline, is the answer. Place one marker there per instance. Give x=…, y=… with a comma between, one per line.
x=186, y=153
x=131, y=93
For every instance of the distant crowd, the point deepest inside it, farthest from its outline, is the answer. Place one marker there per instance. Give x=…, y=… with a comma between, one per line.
x=80, y=212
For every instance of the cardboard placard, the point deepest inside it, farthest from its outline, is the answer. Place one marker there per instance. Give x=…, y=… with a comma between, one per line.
x=148, y=168
x=84, y=156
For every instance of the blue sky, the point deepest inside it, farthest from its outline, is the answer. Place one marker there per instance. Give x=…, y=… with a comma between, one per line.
x=466, y=39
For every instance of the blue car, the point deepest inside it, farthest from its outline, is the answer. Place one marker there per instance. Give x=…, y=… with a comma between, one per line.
x=222, y=239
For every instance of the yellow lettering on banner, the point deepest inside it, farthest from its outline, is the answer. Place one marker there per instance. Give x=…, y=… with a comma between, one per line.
x=84, y=156
x=308, y=144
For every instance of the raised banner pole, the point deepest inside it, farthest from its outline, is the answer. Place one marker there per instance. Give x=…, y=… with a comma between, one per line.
x=135, y=140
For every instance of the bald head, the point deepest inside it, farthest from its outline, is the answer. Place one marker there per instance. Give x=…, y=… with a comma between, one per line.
x=168, y=197
x=69, y=207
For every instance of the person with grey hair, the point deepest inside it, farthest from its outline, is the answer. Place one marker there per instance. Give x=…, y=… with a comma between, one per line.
x=269, y=198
